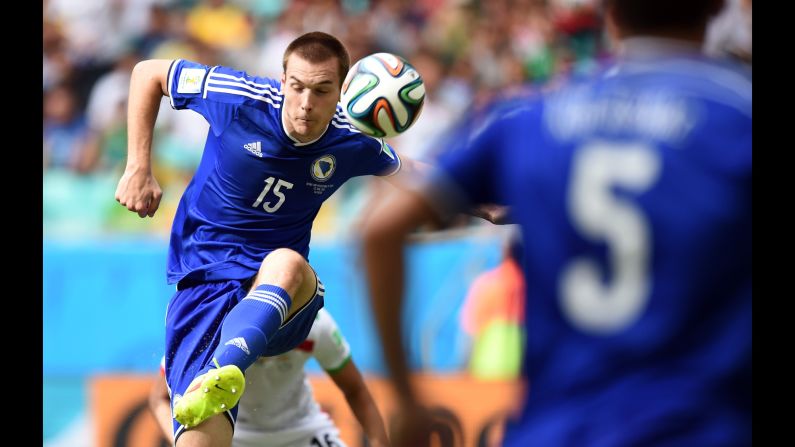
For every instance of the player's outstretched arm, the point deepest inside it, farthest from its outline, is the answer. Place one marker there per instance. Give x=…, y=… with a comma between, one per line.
x=412, y=170
x=384, y=236
x=160, y=405
x=138, y=190
x=349, y=380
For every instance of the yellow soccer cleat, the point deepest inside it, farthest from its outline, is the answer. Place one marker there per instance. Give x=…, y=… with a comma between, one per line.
x=209, y=394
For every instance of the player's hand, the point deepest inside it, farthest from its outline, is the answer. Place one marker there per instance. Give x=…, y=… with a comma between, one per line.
x=496, y=214
x=139, y=192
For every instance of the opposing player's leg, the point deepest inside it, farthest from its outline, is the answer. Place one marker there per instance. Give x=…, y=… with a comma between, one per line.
x=274, y=317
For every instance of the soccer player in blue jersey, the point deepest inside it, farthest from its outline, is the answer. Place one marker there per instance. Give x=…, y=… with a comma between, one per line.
x=239, y=245
x=633, y=192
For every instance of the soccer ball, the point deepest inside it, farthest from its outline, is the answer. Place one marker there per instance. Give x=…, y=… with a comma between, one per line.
x=382, y=95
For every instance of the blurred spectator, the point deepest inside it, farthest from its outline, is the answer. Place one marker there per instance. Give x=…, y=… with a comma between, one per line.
x=107, y=117
x=458, y=88
x=449, y=30
x=264, y=9
x=532, y=32
x=179, y=142
x=159, y=29
x=326, y=16
x=285, y=30
x=136, y=16
x=91, y=28
x=397, y=30
x=487, y=40
x=220, y=24
x=493, y=315
x=57, y=66
x=65, y=129
x=358, y=39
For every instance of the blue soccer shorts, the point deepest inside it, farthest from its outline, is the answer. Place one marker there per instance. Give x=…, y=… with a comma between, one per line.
x=193, y=331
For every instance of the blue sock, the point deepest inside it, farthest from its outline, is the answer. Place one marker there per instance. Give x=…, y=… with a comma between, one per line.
x=251, y=323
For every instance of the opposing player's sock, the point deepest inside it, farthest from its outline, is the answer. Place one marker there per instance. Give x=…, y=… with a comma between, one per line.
x=209, y=394
x=250, y=324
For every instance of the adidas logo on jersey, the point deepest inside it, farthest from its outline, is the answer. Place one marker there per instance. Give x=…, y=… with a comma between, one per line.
x=255, y=148
x=240, y=342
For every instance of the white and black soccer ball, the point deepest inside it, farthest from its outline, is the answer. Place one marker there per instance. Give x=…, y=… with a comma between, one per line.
x=382, y=95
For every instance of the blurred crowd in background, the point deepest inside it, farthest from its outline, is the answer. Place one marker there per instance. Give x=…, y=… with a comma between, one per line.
x=465, y=50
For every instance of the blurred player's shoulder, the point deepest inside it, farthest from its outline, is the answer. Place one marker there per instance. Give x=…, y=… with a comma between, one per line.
x=510, y=103
x=719, y=81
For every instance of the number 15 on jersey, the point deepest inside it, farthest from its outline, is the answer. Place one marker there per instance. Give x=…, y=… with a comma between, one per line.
x=276, y=191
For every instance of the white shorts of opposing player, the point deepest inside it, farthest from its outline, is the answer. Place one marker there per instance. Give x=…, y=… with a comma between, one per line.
x=316, y=430
x=278, y=408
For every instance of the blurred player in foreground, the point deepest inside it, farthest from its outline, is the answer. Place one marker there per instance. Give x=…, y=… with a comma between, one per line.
x=633, y=191
x=278, y=409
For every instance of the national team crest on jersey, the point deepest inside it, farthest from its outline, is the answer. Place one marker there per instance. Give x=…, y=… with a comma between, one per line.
x=323, y=167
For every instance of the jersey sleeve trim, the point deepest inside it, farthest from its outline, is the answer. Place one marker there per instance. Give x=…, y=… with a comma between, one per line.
x=341, y=365
x=272, y=89
x=397, y=169
x=391, y=153
x=227, y=86
x=206, y=81
x=170, y=81
x=340, y=122
x=275, y=105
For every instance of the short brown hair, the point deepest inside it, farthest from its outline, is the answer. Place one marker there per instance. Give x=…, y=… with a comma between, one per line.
x=316, y=47
x=658, y=16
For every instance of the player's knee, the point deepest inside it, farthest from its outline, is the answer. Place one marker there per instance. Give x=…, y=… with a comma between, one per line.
x=285, y=268
x=284, y=259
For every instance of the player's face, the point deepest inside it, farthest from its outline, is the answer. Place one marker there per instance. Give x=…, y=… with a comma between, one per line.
x=311, y=92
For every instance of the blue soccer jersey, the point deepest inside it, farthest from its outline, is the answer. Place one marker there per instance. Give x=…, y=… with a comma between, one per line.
x=634, y=196
x=256, y=189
